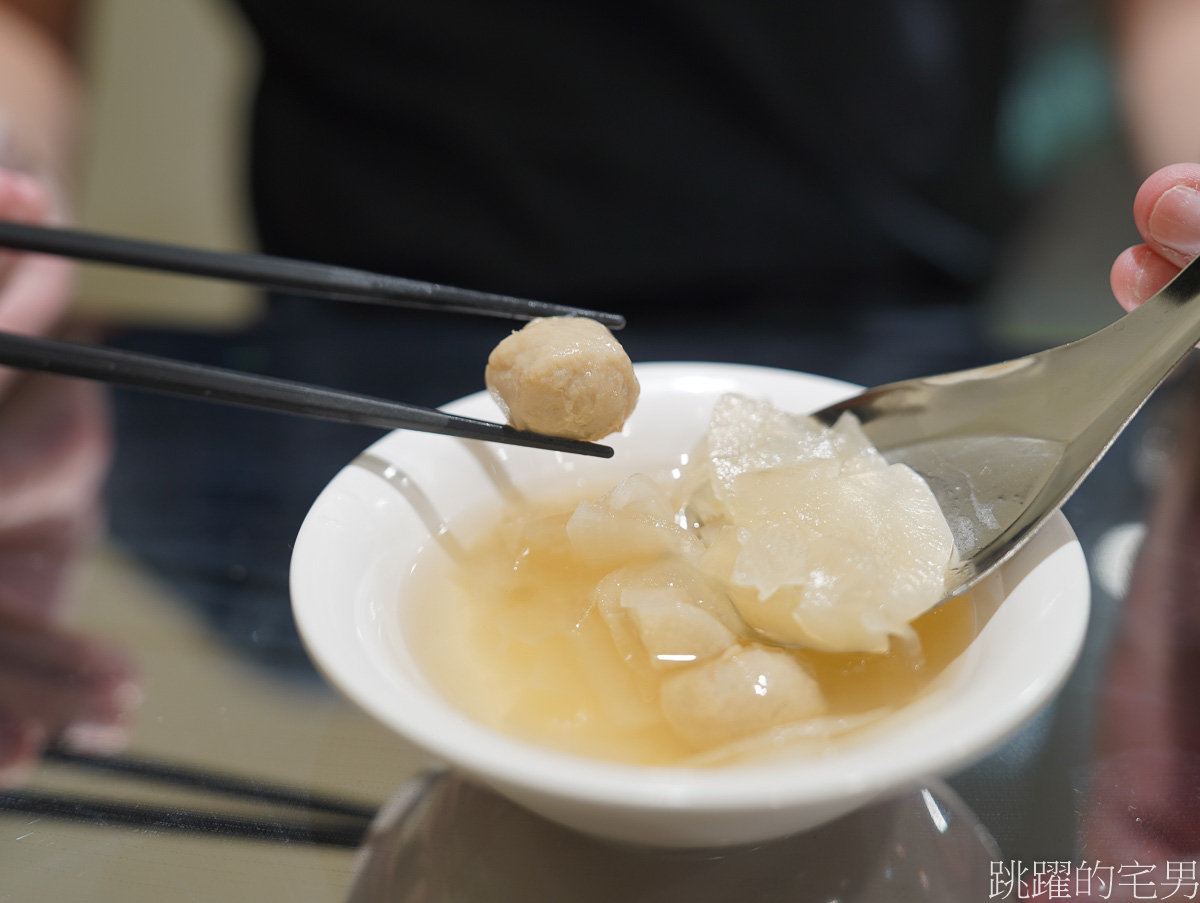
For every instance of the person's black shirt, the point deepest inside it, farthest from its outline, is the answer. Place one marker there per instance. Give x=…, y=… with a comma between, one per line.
x=636, y=154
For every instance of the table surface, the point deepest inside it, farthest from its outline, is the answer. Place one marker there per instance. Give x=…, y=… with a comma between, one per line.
x=250, y=779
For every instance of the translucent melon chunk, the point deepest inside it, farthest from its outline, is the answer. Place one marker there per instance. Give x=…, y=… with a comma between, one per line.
x=634, y=521
x=744, y=691
x=645, y=605
x=674, y=630
x=747, y=435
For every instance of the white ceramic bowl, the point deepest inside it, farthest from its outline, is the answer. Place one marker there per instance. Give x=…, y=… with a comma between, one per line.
x=358, y=543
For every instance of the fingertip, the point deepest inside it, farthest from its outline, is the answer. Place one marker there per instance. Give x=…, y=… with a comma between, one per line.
x=115, y=704
x=22, y=197
x=89, y=738
x=21, y=743
x=127, y=697
x=1152, y=190
x=30, y=200
x=104, y=728
x=1138, y=273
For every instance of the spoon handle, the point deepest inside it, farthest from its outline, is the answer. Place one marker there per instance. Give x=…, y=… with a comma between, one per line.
x=1092, y=387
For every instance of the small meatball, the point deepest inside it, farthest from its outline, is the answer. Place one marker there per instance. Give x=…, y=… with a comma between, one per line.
x=563, y=376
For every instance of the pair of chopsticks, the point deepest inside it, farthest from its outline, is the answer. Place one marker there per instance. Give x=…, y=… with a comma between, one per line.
x=142, y=371
x=261, y=811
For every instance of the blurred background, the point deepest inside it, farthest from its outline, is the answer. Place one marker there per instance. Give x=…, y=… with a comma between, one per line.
x=169, y=86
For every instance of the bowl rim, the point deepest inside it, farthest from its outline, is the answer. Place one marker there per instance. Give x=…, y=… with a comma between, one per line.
x=503, y=761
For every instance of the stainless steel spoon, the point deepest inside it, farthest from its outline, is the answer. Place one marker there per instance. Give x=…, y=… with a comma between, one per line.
x=1003, y=446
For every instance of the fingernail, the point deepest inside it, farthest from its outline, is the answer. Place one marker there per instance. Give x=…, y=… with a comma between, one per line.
x=1175, y=220
x=127, y=697
x=1142, y=285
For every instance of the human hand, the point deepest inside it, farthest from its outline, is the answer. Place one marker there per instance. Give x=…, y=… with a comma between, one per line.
x=54, y=451
x=56, y=686
x=1167, y=213
x=35, y=289
x=54, y=442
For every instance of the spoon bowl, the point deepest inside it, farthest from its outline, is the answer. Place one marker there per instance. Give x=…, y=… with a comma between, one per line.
x=1003, y=446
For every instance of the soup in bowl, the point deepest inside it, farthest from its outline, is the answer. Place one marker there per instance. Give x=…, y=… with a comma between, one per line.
x=379, y=609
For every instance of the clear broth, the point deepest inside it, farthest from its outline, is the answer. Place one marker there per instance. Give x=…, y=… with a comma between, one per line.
x=512, y=637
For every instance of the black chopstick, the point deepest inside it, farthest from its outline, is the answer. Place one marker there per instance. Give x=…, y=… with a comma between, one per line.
x=346, y=833
x=158, y=771
x=158, y=374
x=313, y=819
x=282, y=274
x=310, y=819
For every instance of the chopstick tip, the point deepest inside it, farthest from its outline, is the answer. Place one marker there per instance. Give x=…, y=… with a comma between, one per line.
x=530, y=439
